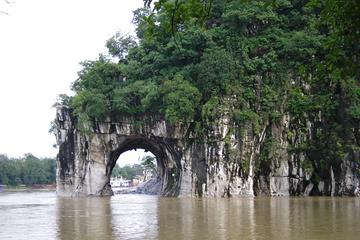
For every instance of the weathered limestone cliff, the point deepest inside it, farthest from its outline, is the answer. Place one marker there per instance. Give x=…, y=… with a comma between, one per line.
x=229, y=162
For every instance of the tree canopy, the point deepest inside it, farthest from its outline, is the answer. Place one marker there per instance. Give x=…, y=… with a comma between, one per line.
x=270, y=57
x=28, y=170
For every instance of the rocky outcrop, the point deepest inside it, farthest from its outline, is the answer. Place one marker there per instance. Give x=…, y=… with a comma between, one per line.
x=85, y=161
x=151, y=187
x=230, y=161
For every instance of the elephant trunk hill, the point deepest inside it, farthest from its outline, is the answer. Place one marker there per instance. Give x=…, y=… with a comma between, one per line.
x=234, y=98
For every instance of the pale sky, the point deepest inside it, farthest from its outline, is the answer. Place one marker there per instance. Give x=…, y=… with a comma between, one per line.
x=132, y=157
x=41, y=45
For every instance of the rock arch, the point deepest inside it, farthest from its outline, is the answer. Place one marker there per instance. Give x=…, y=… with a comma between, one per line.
x=85, y=162
x=225, y=163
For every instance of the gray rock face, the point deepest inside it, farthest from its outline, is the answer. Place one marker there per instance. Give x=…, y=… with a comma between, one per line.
x=229, y=162
x=85, y=162
x=151, y=187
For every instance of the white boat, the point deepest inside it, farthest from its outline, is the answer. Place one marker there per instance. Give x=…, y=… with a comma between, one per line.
x=117, y=182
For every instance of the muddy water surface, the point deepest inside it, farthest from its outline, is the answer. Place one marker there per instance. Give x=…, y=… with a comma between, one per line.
x=43, y=215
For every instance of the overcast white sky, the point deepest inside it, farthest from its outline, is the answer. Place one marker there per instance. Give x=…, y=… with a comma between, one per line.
x=41, y=45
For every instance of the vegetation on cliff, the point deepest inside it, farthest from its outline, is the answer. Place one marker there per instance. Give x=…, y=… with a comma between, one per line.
x=270, y=58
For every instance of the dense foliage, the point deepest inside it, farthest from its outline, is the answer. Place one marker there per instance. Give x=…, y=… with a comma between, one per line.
x=270, y=58
x=28, y=170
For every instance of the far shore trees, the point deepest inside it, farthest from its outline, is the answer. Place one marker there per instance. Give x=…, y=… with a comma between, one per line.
x=27, y=170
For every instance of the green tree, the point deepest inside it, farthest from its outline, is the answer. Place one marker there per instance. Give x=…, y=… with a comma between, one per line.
x=136, y=97
x=263, y=58
x=120, y=44
x=116, y=172
x=95, y=88
x=34, y=173
x=149, y=162
x=28, y=170
x=180, y=99
x=127, y=172
x=4, y=169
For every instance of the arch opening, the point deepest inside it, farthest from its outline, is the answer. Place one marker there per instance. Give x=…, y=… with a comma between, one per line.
x=168, y=167
x=86, y=161
x=136, y=171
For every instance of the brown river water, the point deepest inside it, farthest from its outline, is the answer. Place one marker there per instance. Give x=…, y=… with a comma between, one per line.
x=43, y=215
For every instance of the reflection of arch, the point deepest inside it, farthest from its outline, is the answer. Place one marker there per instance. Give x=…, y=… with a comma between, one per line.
x=105, y=218
x=84, y=218
x=168, y=160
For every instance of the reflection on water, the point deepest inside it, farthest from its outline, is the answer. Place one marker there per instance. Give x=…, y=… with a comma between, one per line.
x=45, y=216
x=83, y=218
x=120, y=217
x=135, y=216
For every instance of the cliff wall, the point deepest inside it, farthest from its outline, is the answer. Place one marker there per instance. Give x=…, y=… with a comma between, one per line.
x=229, y=161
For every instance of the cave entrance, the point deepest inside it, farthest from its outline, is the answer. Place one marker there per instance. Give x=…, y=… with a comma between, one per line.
x=136, y=171
x=167, y=163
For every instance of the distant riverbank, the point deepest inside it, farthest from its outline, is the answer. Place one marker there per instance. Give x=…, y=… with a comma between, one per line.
x=24, y=188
